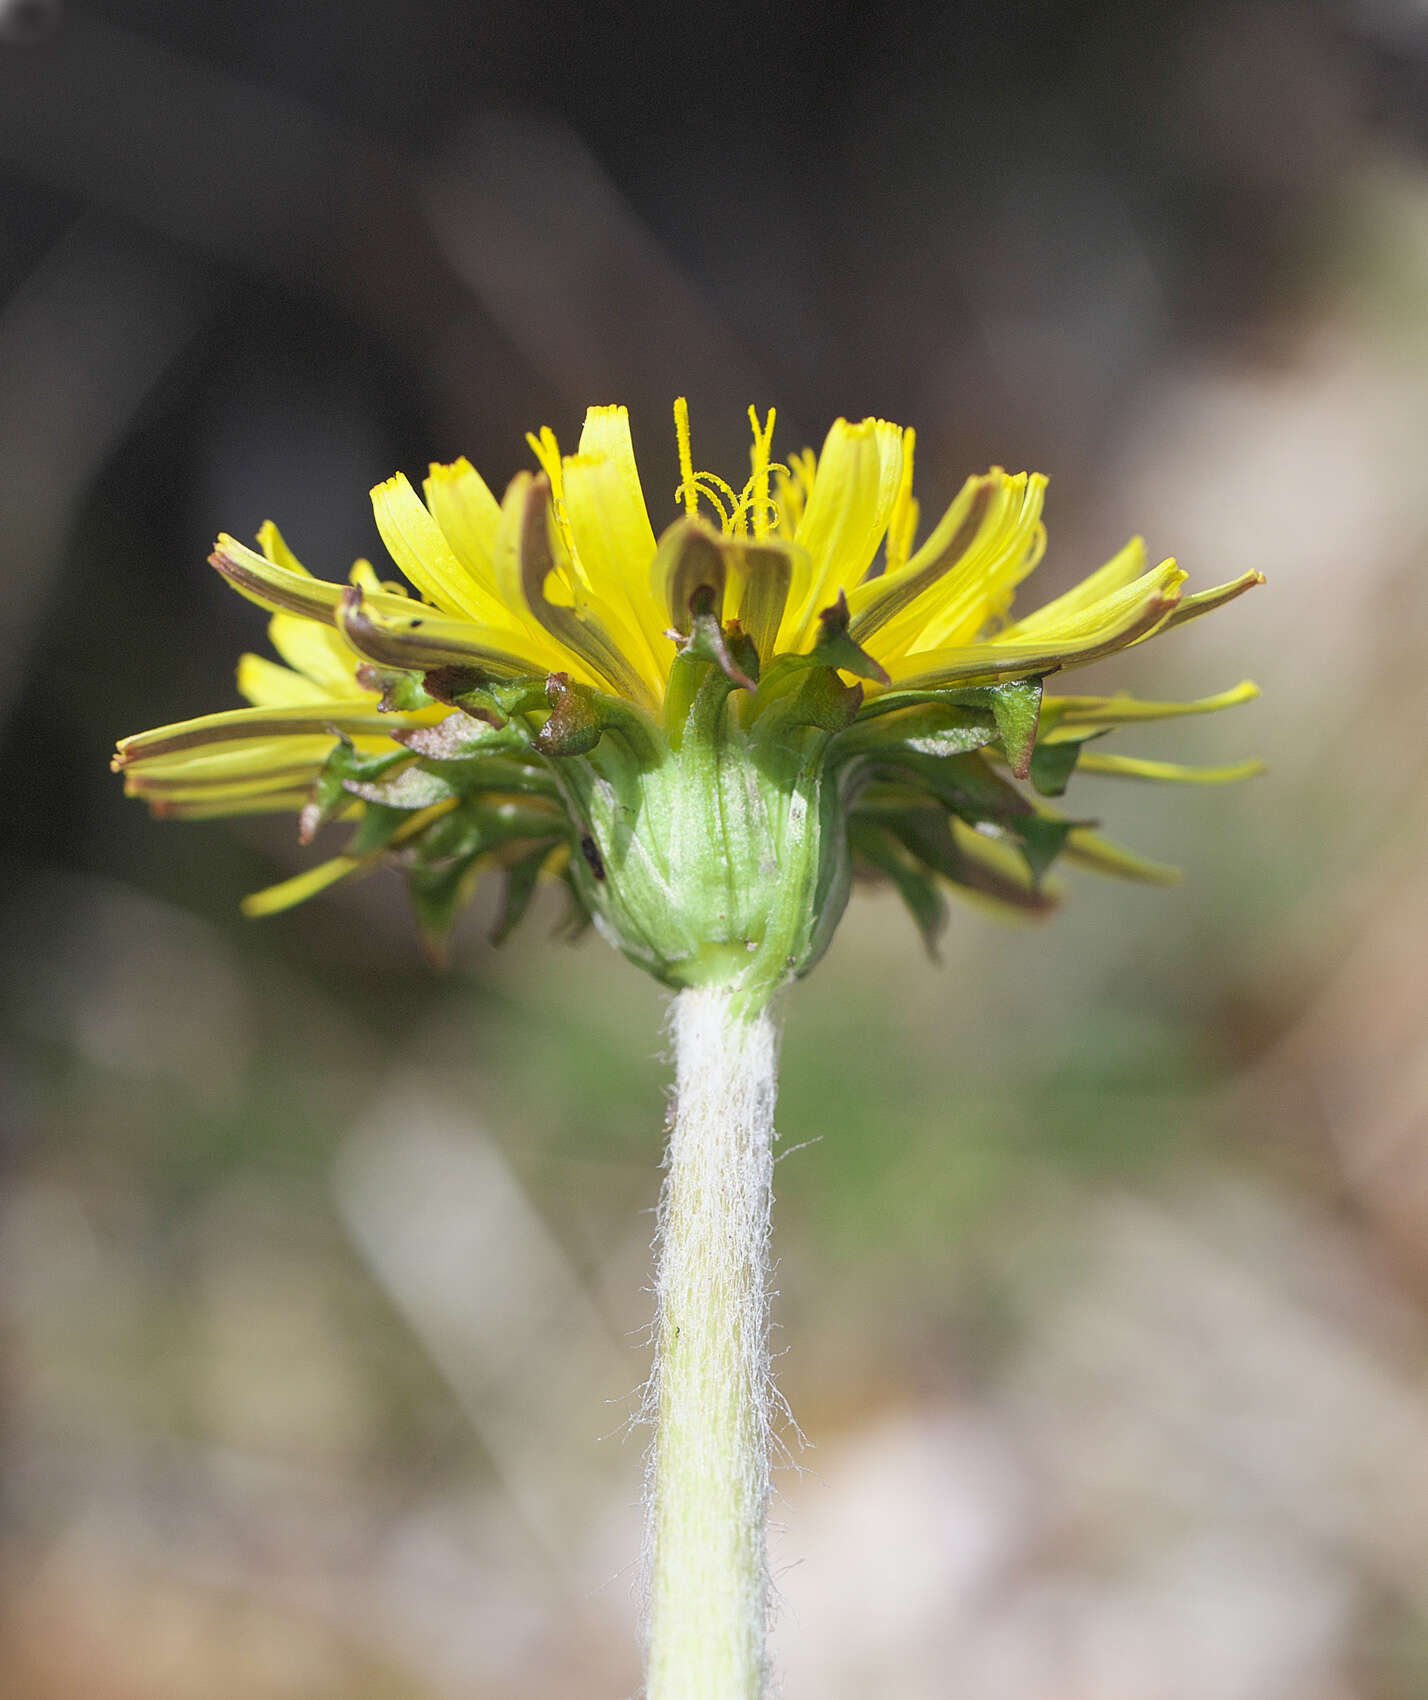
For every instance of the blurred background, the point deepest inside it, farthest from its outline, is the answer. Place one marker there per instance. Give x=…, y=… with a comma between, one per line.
x=1103, y=1247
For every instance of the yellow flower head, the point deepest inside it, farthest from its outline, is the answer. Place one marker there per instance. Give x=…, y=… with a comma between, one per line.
x=703, y=733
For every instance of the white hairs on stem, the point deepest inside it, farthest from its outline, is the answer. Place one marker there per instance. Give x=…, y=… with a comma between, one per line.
x=710, y=1395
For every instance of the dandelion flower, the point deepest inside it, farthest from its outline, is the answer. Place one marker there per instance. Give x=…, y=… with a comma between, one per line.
x=702, y=734
x=705, y=735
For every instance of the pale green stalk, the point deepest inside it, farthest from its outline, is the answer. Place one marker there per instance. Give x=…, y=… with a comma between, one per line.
x=709, y=1475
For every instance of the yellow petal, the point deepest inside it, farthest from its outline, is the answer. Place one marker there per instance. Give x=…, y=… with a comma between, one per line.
x=266, y=685
x=1169, y=772
x=469, y=517
x=978, y=511
x=791, y=490
x=1087, y=849
x=318, y=653
x=1066, y=717
x=615, y=547
x=1122, y=569
x=287, y=894
x=278, y=897
x=1161, y=583
x=417, y=638
x=281, y=590
x=1206, y=601
x=206, y=808
x=902, y=524
x=364, y=576
x=229, y=763
x=270, y=541
x=854, y=488
x=216, y=788
x=536, y=574
x=962, y=601
x=419, y=547
x=1109, y=625
x=621, y=504
x=247, y=724
x=272, y=585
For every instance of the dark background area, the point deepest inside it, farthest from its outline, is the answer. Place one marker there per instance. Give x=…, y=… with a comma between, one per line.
x=1105, y=1285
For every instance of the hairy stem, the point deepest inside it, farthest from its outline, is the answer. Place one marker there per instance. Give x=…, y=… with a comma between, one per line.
x=709, y=1475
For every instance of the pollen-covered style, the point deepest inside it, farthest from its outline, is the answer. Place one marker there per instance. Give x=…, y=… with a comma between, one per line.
x=705, y=734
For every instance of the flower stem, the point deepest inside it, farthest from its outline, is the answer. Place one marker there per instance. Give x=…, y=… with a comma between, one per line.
x=709, y=1474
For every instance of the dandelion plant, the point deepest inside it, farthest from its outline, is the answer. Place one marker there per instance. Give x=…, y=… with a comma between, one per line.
x=704, y=736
